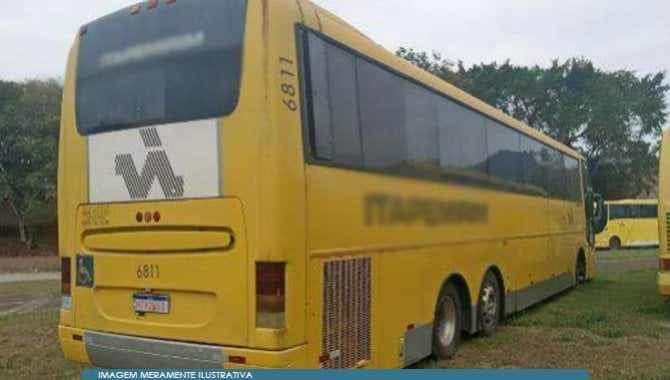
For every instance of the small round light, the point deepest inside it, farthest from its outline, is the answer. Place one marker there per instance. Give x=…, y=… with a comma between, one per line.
x=157, y=216
x=139, y=217
x=147, y=217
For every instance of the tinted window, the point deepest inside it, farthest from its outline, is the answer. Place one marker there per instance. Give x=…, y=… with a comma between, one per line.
x=421, y=128
x=504, y=158
x=624, y=211
x=336, y=133
x=322, y=135
x=572, y=178
x=176, y=63
x=534, y=173
x=649, y=211
x=553, y=163
x=462, y=137
x=366, y=116
x=344, y=107
x=382, y=107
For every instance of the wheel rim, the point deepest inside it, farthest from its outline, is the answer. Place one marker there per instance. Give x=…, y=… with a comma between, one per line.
x=447, y=330
x=489, y=307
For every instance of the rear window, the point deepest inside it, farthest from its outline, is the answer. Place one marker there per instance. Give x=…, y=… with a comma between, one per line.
x=179, y=62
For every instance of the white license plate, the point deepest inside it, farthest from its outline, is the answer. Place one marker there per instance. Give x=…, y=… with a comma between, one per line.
x=151, y=303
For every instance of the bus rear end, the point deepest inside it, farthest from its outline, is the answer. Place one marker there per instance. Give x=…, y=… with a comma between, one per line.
x=154, y=213
x=663, y=213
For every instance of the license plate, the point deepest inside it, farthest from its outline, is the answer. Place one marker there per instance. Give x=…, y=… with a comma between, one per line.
x=151, y=303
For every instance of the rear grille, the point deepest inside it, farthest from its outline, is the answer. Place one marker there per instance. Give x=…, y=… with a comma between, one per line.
x=347, y=300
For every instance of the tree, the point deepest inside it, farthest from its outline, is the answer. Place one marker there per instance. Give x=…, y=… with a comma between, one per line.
x=29, y=124
x=613, y=118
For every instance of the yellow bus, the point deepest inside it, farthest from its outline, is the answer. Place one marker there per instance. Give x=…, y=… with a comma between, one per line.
x=630, y=223
x=663, y=212
x=255, y=184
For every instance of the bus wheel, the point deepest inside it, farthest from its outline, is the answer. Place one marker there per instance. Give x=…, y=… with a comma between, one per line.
x=615, y=243
x=448, y=322
x=488, y=305
x=580, y=269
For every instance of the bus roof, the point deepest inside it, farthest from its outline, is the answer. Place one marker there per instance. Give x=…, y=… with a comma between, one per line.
x=368, y=47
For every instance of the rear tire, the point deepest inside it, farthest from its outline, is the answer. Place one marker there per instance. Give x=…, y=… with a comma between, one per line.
x=615, y=243
x=580, y=270
x=489, y=304
x=448, y=323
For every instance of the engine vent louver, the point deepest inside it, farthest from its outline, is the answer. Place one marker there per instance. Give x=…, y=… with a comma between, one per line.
x=347, y=293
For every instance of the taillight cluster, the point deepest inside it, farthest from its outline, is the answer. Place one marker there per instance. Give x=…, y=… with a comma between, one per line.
x=271, y=295
x=148, y=217
x=66, y=282
x=151, y=5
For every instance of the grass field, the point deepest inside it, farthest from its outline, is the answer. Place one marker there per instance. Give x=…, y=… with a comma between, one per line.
x=28, y=341
x=616, y=326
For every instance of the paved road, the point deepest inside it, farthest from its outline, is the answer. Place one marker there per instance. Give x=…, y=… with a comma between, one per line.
x=28, y=277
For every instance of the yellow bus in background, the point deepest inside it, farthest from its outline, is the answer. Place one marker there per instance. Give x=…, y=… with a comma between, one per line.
x=256, y=184
x=663, y=212
x=630, y=223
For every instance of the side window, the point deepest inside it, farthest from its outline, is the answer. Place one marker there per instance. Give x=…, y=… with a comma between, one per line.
x=362, y=115
x=625, y=211
x=572, y=178
x=553, y=162
x=421, y=129
x=534, y=174
x=634, y=212
x=504, y=156
x=322, y=137
x=344, y=107
x=649, y=211
x=332, y=74
x=382, y=108
x=462, y=137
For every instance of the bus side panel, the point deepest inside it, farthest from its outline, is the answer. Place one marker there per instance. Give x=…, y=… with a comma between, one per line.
x=413, y=259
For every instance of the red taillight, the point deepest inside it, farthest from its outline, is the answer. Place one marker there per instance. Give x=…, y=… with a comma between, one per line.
x=270, y=294
x=664, y=265
x=153, y=4
x=170, y=1
x=237, y=359
x=65, y=276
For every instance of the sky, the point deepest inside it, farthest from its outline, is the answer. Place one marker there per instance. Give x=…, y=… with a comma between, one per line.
x=35, y=35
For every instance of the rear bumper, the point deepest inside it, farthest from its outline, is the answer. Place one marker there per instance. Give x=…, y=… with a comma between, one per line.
x=121, y=351
x=664, y=284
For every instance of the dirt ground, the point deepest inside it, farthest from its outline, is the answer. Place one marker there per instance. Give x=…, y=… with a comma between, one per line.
x=37, y=264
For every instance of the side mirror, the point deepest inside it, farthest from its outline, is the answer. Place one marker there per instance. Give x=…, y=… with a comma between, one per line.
x=599, y=214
